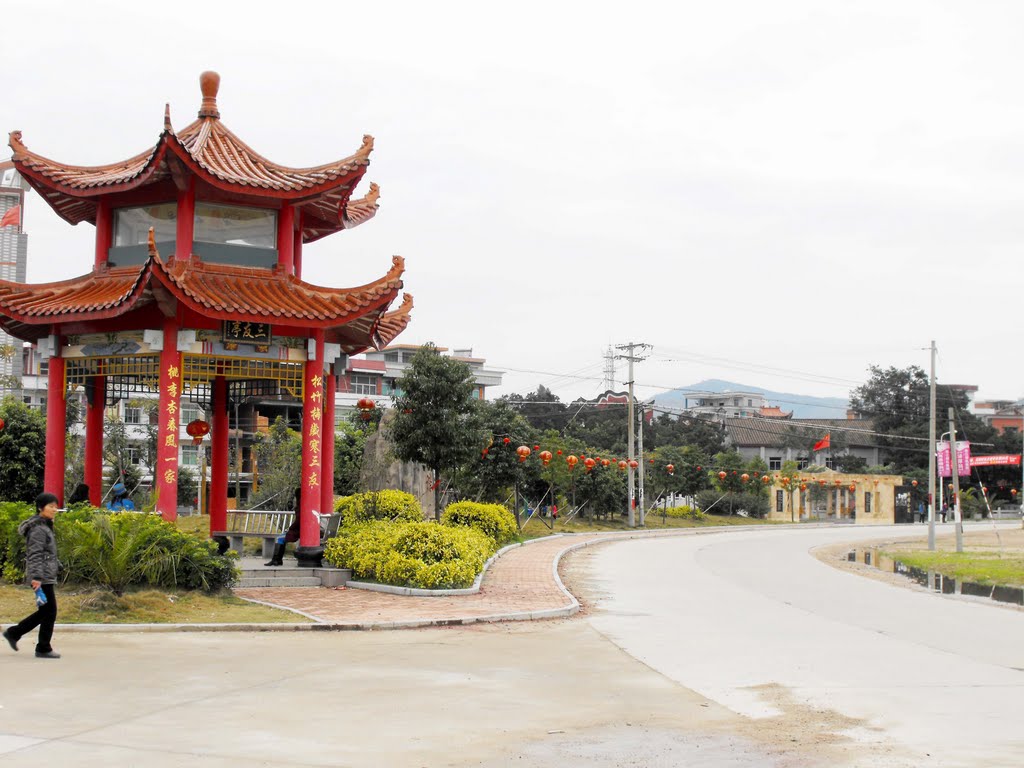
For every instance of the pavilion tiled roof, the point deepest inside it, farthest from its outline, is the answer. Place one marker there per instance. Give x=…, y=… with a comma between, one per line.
x=208, y=149
x=349, y=315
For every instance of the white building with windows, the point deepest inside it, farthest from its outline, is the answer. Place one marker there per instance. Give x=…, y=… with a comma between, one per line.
x=725, y=405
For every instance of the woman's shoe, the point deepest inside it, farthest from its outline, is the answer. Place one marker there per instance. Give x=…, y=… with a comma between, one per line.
x=47, y=655
x=10, y=640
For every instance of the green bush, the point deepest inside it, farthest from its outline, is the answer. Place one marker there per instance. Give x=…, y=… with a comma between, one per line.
x=411, y=554
x=493, y=520
x=683, y=512
x=12, y=544
x=135, y=549
x=378, y=505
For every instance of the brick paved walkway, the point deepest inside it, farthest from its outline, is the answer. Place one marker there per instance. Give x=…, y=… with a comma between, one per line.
x=519, y=584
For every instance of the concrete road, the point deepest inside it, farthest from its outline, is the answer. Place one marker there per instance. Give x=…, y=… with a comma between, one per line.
x=882, y=675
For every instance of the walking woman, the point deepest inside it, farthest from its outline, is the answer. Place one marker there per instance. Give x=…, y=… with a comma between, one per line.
x=41, y=571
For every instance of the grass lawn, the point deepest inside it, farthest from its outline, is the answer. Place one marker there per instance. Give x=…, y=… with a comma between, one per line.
x=537, y=528
x=988, y=557
x=84, y=605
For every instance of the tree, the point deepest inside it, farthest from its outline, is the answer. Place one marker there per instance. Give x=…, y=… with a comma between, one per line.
x=279, y=457
x=436, y=420
x=22, y=451
x=349, y=444
x=188, y=487
x=705, y=435
x=495, y=469
x=897, y=402
x=541, y=409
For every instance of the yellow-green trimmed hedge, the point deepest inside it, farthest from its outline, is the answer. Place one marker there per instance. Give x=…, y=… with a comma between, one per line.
x=410, y=554
x=378, y=505
x=493, y=520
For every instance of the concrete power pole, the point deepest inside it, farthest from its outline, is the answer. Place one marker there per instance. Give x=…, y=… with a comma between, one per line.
x=640, y=466
x=931, y=456
x=630, y=357
x=957, y=514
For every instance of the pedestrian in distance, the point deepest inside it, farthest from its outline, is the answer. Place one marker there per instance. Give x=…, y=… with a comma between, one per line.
x=41, y=567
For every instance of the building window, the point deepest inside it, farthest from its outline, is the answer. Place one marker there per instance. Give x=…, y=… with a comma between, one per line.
x=867, y=502
x=778, y=501
x=828, y=463
x=750, y=403
x=802, y=463
x=362, y=384
x=133, y=454
x=132, y=415
x=230, y=234
x=44, y=368
x=774, y=463
x=131, y=225
x=190, y=455
x=391, y=357
x=191, y=412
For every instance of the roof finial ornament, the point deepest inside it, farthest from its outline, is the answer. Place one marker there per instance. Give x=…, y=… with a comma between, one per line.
x=167, y=118
x=209, y=82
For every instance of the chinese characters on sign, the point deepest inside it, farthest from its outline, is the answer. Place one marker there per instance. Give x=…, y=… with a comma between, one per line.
x=315, y=387
x=963, y=459
x=239, y=332
x=172, y=386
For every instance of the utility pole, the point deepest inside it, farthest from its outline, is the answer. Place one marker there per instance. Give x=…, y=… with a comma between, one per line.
x=956, y=484
x=640, y=466
x=631, y=358
x=931, y=456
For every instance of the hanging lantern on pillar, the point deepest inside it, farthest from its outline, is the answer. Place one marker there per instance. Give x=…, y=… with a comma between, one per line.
x=589, y=464
x=622, y=464
x=670, y=468
x=523, y=452
x=633, y=463
x=197, y=430
x=545, y=457
x=366, y=408
x=571, y=461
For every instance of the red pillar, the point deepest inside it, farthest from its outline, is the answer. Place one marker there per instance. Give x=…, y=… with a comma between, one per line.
x=94, y=408
x=312, y=442
x=165, y=479
x=327, y=489
x=104, y=233
x=56, y=418
x=297, y=247
x=219, y=456
x=185, y=225
x=286, y=239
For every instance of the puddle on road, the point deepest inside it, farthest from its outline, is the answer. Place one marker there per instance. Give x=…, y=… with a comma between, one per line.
x=936, y=582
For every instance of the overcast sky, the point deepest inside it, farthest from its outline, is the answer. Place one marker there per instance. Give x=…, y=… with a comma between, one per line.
x=780, y=193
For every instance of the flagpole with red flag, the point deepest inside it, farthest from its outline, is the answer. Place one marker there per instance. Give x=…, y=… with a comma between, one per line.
x=825, y=442
x=12, y=218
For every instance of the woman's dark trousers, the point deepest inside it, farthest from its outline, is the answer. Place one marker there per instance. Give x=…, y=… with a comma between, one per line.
x=44, y=618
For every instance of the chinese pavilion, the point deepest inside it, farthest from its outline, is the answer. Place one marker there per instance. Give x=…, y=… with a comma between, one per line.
x=196, y=291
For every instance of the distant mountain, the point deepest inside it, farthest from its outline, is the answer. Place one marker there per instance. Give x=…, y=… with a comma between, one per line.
x=802, y=406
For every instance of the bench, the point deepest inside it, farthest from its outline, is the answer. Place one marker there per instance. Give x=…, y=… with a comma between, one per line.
x=269, y=525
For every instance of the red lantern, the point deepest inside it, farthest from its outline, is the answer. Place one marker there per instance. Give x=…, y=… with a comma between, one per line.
x=589, y=464
x=914, y=483
x=803, y=486
x=852, y=487
x=1013, y=491
x=506, y=440
x=699, y=467
x=984, y=489
x=536, y=447
x=670, y=468
x=1, y=423
x=571, y=461
x=559, y=451
x=622, y=464
x=545, y=457
x=838, y=483
x=605, y=462
x=766, y=479
x=745, y=477
x=633, y=463
x=722, y=475
x=821, y=483
x=650, y=461
x=366, y=408
x=197, y=430
x=484, y=452
x=523, y=452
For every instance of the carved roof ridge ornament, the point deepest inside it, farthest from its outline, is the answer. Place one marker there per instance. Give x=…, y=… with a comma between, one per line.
x=209, y=84
x=167, y=119
x=362, y=210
